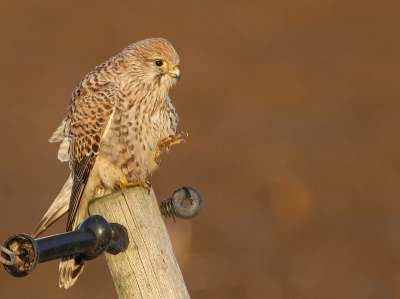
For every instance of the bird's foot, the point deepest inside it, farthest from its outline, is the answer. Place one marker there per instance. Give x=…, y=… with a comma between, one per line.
x=166, y=143
x=125, y=184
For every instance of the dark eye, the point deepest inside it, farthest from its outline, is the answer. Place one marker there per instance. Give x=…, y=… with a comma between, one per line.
x=159, y=63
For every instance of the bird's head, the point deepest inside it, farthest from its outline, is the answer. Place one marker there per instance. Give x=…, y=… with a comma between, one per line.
x=154, y=61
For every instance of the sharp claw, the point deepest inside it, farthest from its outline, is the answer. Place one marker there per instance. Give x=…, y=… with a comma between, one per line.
x=157, y=158
x=180, y=133
x=148, y=187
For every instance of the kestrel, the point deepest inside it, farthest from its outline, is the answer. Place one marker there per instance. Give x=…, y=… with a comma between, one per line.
x=120, y=118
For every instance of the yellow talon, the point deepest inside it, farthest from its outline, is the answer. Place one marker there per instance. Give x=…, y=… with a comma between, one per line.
x=125, y=184
x=167, y=142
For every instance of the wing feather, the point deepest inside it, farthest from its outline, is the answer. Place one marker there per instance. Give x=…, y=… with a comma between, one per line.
x=90, y=114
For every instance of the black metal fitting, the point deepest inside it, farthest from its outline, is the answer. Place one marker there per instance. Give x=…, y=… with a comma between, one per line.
x=174, y=205
x=93, y=236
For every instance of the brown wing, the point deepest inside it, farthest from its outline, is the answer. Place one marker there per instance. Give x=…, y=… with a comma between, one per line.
x=90, y=112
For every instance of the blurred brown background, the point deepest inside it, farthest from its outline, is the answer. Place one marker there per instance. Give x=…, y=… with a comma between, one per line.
x=292, y=109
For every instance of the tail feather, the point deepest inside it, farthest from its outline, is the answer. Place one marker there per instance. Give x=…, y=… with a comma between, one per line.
x=58, y=208
x=70, y=268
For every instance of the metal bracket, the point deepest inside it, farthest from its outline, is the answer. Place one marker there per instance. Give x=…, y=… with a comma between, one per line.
x=93, y=236
x=174, y=205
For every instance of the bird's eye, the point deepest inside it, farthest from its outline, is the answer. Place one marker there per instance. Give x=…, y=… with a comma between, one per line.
x=159, y=63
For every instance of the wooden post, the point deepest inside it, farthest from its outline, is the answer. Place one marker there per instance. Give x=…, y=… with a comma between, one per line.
x=148, y=268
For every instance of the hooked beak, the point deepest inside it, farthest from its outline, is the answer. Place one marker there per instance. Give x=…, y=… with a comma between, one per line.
x=175, y=73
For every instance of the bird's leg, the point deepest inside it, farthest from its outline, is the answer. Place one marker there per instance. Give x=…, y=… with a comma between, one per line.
x=167, y=142
x=123, y=184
